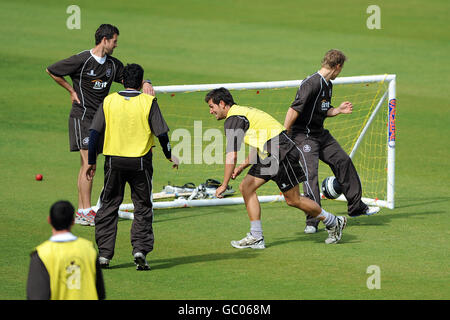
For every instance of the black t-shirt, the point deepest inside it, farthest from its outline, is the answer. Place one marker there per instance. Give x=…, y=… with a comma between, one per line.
x=312, y=102
x=91, y=80
x=235, y=128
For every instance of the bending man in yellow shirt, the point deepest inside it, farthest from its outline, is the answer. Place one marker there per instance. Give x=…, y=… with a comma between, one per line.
x=276, y=158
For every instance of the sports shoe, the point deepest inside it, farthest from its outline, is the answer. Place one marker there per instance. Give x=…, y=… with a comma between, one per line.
x=104, y=262
x=90, y=218
x=371, y=210
x=80, y=219
x=249, y=242
x=140, y=261
x=335, y=233
x=310, y=229
x=368, y=212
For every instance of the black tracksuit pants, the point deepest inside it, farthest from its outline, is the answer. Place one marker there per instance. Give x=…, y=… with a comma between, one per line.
x=138, y=173
x=328, y=150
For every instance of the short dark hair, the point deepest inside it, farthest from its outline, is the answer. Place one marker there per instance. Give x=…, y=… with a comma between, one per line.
x=133, y=75
x=333, y=58
x=220, y=94
x=105, y=30
x=61, y=215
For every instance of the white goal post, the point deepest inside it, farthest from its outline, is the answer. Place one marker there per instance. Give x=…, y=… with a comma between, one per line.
x=389, y=108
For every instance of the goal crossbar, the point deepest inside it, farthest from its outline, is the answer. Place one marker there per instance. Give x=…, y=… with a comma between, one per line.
x=267, y=84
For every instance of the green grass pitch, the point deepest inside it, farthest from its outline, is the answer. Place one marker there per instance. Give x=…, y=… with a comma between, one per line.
x=200, y=41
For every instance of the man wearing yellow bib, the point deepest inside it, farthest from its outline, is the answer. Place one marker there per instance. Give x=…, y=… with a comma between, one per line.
x=65, y=267
x=129, y=120
x=275, y=158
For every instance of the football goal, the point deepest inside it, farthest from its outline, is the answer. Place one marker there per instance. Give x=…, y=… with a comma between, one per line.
x=198, y=140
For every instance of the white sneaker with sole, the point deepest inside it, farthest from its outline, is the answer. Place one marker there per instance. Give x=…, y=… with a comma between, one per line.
x=249, y=242
x=104, y=262
x=140, y=261
x=310, y=229
x=368, y=212
x=335, y=233
x=80, y=219
x=371, y=210
x=90, y=218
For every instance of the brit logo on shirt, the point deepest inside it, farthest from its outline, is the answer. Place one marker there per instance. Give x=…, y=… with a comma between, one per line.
x=99, y=84
x=325, y=105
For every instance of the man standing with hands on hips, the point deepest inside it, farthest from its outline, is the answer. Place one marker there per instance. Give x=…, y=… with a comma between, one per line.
x=92, y=73
x=129, y=120
x=304, y=122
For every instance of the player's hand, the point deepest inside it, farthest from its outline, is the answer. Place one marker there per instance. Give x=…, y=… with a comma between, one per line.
x=237, y=171
x=220, y=190
x=148, y=89
x=346, y=107
x=90, y=172
x=175, y=161
x=74, y=97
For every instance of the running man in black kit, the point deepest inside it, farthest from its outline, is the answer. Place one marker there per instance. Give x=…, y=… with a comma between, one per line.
x=92, y=73
x=304, y=122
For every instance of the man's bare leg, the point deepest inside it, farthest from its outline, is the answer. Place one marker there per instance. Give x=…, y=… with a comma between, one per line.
x=248, y=188
x=334, y=224
x=255, y=238
x=84, y=185
x=294, y=199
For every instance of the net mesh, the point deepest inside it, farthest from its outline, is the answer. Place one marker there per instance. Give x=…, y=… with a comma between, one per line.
x=197, y=138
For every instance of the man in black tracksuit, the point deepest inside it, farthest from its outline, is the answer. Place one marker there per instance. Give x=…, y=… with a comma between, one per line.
x=304, y=122
x=129, y=121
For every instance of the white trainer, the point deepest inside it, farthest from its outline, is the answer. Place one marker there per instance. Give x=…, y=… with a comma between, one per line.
x=90, y=218
x=80, y=219
x=371, y=210
x=310, y=229
x=249, y=242
x=140, y=261
x=335, y=233
x=368, y=212
x=104, y=262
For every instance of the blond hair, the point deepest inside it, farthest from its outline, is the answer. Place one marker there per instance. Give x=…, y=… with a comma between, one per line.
x=333, y=58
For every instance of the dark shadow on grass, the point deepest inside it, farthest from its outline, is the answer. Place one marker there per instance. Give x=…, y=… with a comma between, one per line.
x=386, y=216
x=166, y=215
x=173, y=262
x=417, y=202
x=318, y=237
x=382, y=218
x=184, y=216
x=121, y=266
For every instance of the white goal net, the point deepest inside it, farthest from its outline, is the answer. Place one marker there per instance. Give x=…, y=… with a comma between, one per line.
x=198, y=140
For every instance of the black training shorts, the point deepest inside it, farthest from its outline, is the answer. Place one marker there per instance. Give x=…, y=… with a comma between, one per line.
x=286, y=173
x=79, y=134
